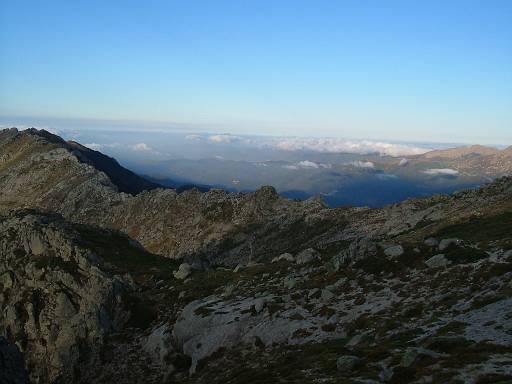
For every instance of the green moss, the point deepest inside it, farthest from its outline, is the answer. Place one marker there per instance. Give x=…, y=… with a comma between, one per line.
x=463, y=255
x=480, y=229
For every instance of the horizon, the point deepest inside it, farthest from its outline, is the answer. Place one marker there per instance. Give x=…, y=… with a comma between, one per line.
x=436, y=72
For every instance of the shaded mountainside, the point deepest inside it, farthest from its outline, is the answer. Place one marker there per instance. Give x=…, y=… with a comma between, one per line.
x=266, y=289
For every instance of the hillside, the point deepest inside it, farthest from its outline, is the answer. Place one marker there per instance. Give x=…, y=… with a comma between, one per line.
x=98, y=285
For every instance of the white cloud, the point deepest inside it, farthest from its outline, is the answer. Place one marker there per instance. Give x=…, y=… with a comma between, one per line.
x=362, y=164
x=338, y=145
x=94, y=146
x=193, y=137
x=441, y=171
x=101, y=147
x=306, y=164
x=403, y=162
x=224, y=138
x=141, y=147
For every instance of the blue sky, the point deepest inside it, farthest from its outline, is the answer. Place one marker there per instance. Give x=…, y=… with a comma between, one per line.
x=402, y=70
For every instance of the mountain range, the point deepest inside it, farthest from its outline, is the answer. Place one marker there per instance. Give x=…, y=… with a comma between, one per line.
x=108, y=277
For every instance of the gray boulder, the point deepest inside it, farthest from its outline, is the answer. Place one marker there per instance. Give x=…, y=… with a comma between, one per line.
x=283, y=257
x=183, y=271
x=307, y=256
x=394, y=251
x=347, y=363
x=445, y=243
x=438, y=261
x=431, y=242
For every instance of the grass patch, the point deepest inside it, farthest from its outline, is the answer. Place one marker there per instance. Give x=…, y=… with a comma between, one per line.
x=480, y=229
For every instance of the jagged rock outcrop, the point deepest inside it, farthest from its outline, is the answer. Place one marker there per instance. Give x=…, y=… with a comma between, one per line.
x=55, y=303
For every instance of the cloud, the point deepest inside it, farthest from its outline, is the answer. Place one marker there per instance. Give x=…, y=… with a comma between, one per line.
x=193, y=137
x=403, y=162
x=306, y=164
x=362, y=164
x=224, y=138
x=94, y=146
x=441, y=171
x=101, y=147
x=338, y=145
x=141, y=147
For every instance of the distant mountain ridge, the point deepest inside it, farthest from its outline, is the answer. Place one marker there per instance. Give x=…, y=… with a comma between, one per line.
x=456, y=152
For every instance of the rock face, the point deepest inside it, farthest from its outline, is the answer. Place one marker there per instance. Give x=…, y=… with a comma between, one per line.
x=56, y=304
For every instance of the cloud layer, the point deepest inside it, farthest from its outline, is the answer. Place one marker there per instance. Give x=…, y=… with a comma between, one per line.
x=337, y=145
x=441, y=171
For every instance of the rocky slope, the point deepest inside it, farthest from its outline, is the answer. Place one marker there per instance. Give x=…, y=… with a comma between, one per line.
x=268, y=290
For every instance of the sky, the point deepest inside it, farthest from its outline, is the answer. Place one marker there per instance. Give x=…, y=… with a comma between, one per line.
x=394, y=70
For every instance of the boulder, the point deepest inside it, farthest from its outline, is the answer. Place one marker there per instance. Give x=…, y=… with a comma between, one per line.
x=394, y=251
x=412, y=354
x=290, y=282
x=283, y=257
x=438, y=261
x=307, y=256
x=183, y=271
x=445, y=243
x=347, y=363
x=431, y=242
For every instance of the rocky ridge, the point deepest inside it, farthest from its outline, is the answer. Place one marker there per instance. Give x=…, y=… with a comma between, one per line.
x=267, y=289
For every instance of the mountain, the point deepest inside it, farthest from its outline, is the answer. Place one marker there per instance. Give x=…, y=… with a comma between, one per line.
x=451, y=153
x=98, y=285
x=122, y=178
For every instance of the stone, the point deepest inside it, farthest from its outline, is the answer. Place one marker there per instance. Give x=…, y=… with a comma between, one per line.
x=347, y=363
x=259, y=304
x=7, y=280
x=290, y=282
x=438, y=261
x=445, y=243
x=307, y=256
x=314, y=293
x=431, y=242
x=283, y=257
x=183, y=271
x=412, y=354
x=327, y=295
x=394, y=251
